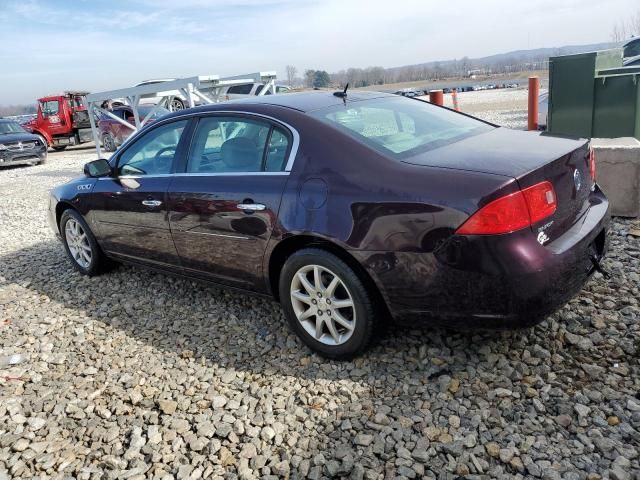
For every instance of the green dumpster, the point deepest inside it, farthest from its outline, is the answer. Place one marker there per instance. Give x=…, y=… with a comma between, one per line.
x=616, y=111
x=593, y=95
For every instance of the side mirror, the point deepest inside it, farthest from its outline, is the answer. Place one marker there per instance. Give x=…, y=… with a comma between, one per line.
x=97, y=168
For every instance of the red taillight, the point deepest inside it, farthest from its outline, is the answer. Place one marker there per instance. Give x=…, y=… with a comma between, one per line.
x=512, y=212
x=592, y=164
x=541, y=199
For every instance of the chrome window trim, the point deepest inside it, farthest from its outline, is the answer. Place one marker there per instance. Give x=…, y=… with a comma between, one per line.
x=212, y=174
x=294, y=133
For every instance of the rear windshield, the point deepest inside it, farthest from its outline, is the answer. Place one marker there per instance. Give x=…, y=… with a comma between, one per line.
x=401, y=127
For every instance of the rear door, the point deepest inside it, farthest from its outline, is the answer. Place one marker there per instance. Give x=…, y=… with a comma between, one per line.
x=130, y=208
x=224, y=207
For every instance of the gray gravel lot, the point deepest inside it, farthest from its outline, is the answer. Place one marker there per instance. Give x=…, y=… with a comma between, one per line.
x=139, y=375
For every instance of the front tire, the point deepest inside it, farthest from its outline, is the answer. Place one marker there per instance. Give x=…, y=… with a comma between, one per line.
x=327, y=304
x=80, y=244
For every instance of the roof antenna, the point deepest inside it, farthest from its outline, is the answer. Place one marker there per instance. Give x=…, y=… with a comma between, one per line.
x=342, y=94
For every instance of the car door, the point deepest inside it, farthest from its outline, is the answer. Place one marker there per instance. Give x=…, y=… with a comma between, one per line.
x=130, y=207
x=224, y=206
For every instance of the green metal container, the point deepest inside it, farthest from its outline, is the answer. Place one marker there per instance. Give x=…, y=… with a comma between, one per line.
x=616, y=110
x=594, y=95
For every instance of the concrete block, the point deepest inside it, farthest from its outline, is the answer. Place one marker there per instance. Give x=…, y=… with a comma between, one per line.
x=618, y=173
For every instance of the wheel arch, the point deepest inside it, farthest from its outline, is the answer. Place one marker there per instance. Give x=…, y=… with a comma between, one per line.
x=60, y=209
x=287, y=247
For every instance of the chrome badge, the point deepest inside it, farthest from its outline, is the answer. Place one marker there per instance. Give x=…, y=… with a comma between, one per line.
x=577, y=179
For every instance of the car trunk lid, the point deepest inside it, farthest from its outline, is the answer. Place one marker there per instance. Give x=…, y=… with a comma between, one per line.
x=530, y=158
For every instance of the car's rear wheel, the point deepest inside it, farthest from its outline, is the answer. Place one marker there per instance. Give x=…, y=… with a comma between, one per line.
x=108, y=142
x=176, y=104
x=80, y=244
x=327, y=304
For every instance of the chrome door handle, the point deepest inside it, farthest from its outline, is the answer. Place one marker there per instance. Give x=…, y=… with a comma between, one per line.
x=254, y=207
x=151, y=203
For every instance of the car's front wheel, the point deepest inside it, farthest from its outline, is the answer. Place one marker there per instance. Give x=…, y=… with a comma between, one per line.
x=80, y=244
x=327, y=304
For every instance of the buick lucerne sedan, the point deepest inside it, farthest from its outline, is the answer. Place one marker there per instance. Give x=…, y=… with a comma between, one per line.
x=350, y=210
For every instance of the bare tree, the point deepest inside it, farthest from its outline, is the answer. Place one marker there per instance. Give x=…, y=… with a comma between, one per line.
x=291, y=74
x=634, y=25
x=619, y=32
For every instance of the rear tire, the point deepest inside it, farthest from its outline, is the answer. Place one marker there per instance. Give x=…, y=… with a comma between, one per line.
x=327, y=304
x=81, y=245
x=108, y=143
x=59, y=148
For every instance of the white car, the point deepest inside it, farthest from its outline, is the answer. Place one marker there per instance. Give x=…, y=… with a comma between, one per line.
x=248, y=90
x=179, y=101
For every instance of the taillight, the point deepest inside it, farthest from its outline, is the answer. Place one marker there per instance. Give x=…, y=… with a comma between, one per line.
x=541, y=199
x=512, y=212
x=592, y=164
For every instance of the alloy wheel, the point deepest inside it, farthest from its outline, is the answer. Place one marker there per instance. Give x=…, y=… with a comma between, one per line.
x=323, y=305
x=78, y=243
x=176, y=105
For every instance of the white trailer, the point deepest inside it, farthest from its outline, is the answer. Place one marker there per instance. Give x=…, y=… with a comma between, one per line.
x=203, y=89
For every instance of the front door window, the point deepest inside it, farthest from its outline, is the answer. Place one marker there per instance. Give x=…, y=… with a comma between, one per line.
x=153, y=153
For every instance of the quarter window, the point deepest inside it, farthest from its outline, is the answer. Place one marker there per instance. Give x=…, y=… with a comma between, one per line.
x=234, y=144
x=153, y=153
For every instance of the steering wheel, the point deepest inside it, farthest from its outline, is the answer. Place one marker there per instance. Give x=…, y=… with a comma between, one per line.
x=158, y=160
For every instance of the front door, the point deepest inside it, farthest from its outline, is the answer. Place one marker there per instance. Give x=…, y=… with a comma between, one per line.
x=130, y=208
x=224, y=207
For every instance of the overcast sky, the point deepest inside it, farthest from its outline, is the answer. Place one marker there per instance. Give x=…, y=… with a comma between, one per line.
x=48, y=46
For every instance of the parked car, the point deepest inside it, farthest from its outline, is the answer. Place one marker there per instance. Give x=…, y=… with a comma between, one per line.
x=114, y=133
x=347, y=209
x=235, y=92
x=19, y=147
x=178, y=102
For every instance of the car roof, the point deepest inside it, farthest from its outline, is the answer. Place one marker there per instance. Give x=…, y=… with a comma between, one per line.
x=307, y=101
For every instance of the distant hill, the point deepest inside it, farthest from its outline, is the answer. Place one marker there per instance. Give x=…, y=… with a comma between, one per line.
x=516, y=56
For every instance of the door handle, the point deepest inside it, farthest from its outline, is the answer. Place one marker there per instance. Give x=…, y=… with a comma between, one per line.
x=151, y=203
x=253, y=207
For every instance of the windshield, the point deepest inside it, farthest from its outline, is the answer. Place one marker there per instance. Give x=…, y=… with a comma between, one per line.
x=401, y=127
x=10, y=127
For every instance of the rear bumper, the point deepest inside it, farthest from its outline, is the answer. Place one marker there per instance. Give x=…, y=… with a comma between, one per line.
x=507, y=281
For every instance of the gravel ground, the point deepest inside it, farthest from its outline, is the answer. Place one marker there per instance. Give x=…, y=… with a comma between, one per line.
x=507, y=108
x=138, y=375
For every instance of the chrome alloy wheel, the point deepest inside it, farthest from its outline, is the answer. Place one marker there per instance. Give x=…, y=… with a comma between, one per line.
x=78, y=243
x=323, y=305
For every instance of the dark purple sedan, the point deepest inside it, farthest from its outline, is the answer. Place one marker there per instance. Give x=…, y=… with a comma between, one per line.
x=348, y=210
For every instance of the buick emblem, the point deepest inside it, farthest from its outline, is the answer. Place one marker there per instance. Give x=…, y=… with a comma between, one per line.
x=577, y=179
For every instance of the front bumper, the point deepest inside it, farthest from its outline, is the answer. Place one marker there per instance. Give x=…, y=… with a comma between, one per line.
x=22, y=157
x=506, y=281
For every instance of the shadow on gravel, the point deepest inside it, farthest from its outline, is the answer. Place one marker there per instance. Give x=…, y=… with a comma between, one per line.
x=233, y=329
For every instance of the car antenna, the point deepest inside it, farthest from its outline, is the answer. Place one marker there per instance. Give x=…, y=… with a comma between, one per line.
x=342, y=94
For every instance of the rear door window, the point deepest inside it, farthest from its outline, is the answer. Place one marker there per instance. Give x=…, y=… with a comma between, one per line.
x=240, y=89
x=237, y=144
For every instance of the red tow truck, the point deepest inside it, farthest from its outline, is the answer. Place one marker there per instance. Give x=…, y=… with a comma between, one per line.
x=62, y=120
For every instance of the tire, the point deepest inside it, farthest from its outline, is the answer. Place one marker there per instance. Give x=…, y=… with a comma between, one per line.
x=108, y=142
x=176, y=104
x=311, y=317
x=59, y=148
x=96, y=262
